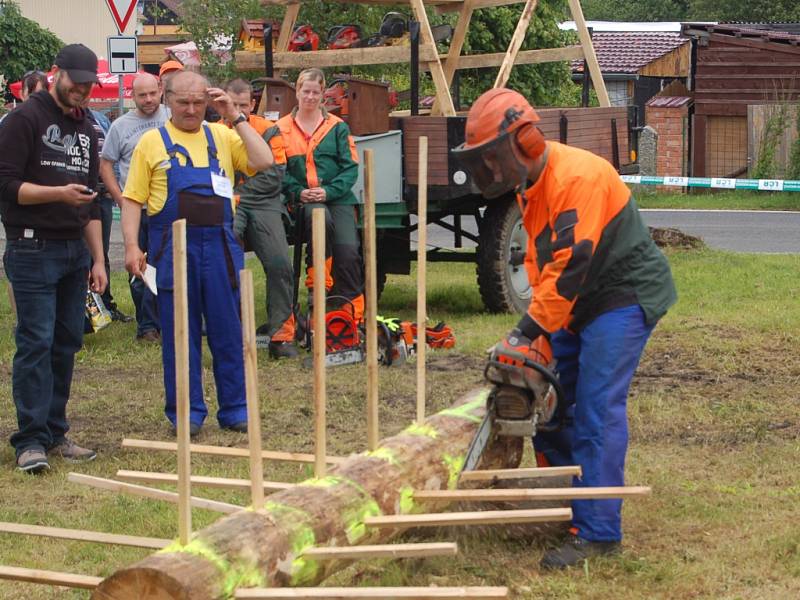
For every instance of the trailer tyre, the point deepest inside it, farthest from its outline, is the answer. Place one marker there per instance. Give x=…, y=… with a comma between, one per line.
x=504, y=286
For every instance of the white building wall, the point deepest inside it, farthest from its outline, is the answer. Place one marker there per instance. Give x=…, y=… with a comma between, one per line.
x=87, y=22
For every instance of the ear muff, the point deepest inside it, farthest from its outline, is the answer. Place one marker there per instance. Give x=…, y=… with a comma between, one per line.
x=530, y=140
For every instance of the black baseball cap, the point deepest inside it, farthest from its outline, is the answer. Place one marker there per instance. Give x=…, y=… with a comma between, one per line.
x=79, y=62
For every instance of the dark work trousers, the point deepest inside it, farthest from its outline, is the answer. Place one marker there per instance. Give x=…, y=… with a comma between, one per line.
x=106, y=204
x=263, y=230
x=143, y=299
x=49, y=279
x=595, y=367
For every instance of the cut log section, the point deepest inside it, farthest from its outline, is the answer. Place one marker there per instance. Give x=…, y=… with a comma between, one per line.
x=522, y=495
x=376, y=593
x=86, y=582
x=383, y=551
x=199, y=480
x=85, y=536
x=483, y=517
x=225, y=451
x=266, y=548
x=490, y=474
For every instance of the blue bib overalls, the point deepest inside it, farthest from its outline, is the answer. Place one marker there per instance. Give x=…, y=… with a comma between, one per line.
x=214, y=259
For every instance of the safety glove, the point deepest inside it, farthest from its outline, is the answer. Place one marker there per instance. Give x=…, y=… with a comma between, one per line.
x=528, y=340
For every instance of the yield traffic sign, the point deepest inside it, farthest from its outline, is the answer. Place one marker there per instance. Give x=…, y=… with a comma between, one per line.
x=121, y=10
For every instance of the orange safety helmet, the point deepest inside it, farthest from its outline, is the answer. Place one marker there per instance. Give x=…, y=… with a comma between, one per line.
x=487, y=152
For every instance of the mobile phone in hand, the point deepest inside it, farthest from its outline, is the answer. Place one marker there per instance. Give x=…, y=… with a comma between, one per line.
x=88, y=191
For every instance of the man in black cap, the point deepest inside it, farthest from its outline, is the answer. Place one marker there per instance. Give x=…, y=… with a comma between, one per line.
x=48, y=172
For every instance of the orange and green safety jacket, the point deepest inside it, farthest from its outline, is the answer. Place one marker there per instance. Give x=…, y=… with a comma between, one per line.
x=263, y=190
x=326, y=159
x=588, y=249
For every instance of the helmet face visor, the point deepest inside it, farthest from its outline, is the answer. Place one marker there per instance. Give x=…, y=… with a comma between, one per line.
x=494, y=166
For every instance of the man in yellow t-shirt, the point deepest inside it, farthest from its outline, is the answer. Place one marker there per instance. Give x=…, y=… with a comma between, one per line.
x=185, y=170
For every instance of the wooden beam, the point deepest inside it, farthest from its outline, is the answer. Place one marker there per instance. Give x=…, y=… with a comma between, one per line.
x=422, y=254
x=83, y=535
x=181, y=320
x=445, y=100
x=486, y=517
x=450, y=65
x=320, y=338
x=515, y=44
x=146, y=492
x=249, y=61
x=225, y=451
x=371, y=315
x=524, y=57
x=489, y=474
x=383, y=551
x=588, y=50
x=287, y=27
x=85, y=582
x=248, y=314
x=389, y=2
x=521, y=495
x=476, y=4
x=375, y=593
x=200, y=481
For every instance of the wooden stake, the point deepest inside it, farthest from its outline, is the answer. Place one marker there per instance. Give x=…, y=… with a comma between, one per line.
x=181, y=301
x=383, y=551
x=519, y=495
x=85, y=536
x=320, y=342
x=422, y=250
x=515, y=44
x=489, y=474
x=251, y=386
x=487, y=517
x=375, y=593
x=146, y=492
x=85, y=582
x=588, y=52
x=230, y=452
x=200, y=481
x=370, y=255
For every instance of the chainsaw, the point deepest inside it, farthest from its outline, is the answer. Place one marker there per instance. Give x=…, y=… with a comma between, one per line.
x=524, y=400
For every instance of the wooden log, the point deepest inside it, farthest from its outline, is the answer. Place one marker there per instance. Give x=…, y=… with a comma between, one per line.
x=265, y=549
x=521, y=495
x=320, y=339
x=483, y=517
x=153, y=494
x=490, y=474
x=86, y=582
x=225, y=451
x=83, y=535
x=383, y=551
x=200, y=481
x=376, y=593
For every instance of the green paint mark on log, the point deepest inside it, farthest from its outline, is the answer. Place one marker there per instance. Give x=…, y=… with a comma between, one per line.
x=455, y=464
x=383, y=454
x=300, y=536
x=423, y=430
x=465, y=410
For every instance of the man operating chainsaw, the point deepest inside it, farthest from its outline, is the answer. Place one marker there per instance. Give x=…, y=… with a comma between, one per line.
x=599, y=286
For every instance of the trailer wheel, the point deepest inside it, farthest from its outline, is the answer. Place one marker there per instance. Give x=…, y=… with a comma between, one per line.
x=504, y=286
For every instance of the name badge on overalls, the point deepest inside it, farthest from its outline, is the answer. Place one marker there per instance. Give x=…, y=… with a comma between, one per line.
x=222, y=185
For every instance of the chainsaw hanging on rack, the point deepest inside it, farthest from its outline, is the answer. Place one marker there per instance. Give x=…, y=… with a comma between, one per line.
x=303, y=39
x=341, y=37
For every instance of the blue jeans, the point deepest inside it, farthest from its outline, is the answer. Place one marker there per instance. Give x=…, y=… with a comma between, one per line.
x=595, y=367
x=49, y=278
x=143, y=299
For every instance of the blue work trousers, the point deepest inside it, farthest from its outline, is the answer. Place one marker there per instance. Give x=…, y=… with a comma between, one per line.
x=595, y=367
x=49, y=279
x=143, y=299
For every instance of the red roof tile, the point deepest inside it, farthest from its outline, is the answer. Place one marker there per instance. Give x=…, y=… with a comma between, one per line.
x=629, y=51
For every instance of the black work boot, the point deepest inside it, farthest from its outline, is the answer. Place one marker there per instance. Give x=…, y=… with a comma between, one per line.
x=574, y=551
x=279, y=350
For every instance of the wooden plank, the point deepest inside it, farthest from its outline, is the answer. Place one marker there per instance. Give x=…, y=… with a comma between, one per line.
x=320, y=341
x=225, y=451
x=287, y=27
x=83, y=535
x=515, y=44
x=71, y=580
x=520, y=495
x=375, y=593
x=754, y=44
x=445, y=8
x=181, y=316
x=486, y=517
x=422, y=254
x=699, y=156
x=200, y=480
x=248, y=314
x=383, y=551
x=371, y=316
x=524, y=57
x=146, y=492
x=450, y=64
x=443, y=97
x=588, y=51
x=525, y=473
x=249, y=61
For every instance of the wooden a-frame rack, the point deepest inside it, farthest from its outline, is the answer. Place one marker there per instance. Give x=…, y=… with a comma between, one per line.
x=441, y=67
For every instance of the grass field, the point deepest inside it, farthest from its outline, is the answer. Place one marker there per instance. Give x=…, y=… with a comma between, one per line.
x=715, y=430
x=648, y=197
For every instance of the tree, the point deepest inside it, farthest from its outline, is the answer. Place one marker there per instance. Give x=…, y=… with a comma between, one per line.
x=24, y=45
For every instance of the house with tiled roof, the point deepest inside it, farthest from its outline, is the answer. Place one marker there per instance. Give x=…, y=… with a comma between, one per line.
x=637, y=59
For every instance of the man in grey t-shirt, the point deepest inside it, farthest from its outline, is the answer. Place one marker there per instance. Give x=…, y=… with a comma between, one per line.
x=120, y=141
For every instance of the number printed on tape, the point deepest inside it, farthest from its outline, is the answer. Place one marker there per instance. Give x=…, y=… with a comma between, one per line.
x=770, y=185
x=679, y=181
x=632, y=178
x=724, y=183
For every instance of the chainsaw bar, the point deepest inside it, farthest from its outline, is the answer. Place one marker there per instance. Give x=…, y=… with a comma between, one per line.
x=478, y=445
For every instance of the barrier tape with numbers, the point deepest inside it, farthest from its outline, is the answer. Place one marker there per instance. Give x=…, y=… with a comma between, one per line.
x=764, y=185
